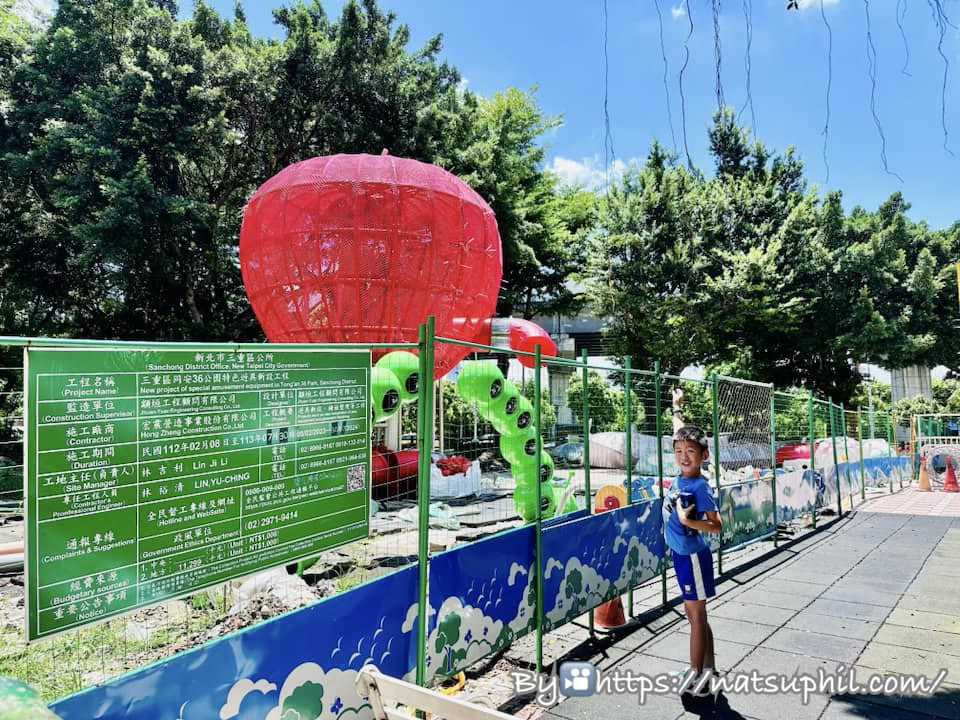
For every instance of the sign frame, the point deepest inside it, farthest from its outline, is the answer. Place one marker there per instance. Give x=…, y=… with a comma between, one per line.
x=115, y=436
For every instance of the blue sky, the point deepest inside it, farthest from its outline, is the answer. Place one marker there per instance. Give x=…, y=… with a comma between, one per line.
x=559, y=48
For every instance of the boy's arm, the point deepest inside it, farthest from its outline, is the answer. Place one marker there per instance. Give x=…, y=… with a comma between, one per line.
x=711, y=523
x=676, y=412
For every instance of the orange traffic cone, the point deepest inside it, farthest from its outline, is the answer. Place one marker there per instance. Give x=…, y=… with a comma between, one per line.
x=950, y=479
x=610, y=614
x=923, y=479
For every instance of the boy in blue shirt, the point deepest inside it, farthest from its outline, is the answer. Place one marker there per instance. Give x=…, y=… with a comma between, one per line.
x=689, y=509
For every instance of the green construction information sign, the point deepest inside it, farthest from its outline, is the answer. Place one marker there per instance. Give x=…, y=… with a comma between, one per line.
x=152, y=473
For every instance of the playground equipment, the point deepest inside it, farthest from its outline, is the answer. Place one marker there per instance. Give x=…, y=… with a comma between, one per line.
x=499, y=402
x=361, y=248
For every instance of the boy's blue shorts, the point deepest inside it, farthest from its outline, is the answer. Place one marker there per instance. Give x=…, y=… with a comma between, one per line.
x=695, y=574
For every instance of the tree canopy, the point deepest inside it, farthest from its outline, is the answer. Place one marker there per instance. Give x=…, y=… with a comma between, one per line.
x=751, y=269
x=130, y=140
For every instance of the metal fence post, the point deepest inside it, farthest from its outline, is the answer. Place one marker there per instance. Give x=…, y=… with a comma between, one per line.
x=586, y=454
x=773, y=461
x=586, y=434
x=890, y=450
x=813, y=470
x=657, y=389
x=425, y=442
x=627, y=410
x=836, y=467
x=863, y=463
x=716, y=460
x=846, y=451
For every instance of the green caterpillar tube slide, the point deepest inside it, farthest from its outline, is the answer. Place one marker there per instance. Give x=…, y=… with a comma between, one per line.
x=500, y=402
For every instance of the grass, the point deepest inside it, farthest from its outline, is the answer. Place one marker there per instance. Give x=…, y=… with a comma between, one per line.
x=66, y=663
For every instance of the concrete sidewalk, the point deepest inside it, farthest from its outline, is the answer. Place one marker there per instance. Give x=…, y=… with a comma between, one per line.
x=875, y=591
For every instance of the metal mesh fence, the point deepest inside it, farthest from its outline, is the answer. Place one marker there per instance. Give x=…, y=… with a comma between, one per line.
x=744, y=425
x=598, y=426
x=11, y=441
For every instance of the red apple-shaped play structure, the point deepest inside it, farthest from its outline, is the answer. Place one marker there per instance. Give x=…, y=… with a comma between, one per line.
x=362, y=248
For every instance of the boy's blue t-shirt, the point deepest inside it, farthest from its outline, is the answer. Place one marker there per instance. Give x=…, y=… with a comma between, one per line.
x=673, y=529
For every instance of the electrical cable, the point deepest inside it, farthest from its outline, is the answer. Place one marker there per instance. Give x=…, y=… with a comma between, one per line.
x=826, y=124
x=608, y=151
x=906, y=47
x=717, y=52
x=683, y=99
x=942, y=21
x=872, y=70
x=666, y=86
x=747, y=61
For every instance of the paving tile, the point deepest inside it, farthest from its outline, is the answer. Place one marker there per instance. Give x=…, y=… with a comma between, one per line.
x=883, y=584
x=737, y=610
x=892, y=658
x=830, y=625
x=945, y=703
x=814, y=644
x=766, y=663
x=919, y=639
x=800, y=588
x=760, y=596
x=842, y=608
x=944, y=606
x=924, y=619
x=862, y=593
x=845, y=707
x=940, y=563
x=816, y=573
x=735, y=630
x=676, y=647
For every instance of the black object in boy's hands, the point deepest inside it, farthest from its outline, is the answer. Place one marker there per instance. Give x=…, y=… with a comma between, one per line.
x=689, y=500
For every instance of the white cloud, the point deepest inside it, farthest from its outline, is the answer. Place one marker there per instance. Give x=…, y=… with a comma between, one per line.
x=240, y=689
x=678, y=11
x=804, y=4
x=587, y=173
x=515, y=569
x=336, y=683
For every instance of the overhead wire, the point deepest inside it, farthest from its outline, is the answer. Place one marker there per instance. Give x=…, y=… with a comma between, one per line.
x=608, y=151
x=747, y=62
x=942, y=21
x=717, y=54
x=900, y=15
x=683, y=99
x=826, y=125
x=666, y=86
x=872, y=70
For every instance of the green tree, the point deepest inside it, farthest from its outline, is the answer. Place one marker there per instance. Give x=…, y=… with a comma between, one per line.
x=498, y=156
x=603, y=409
x=903, y=410
x=138, y=137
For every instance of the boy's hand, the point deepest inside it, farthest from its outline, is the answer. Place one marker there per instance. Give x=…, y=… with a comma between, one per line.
x=684, y=513
x=677, y=396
